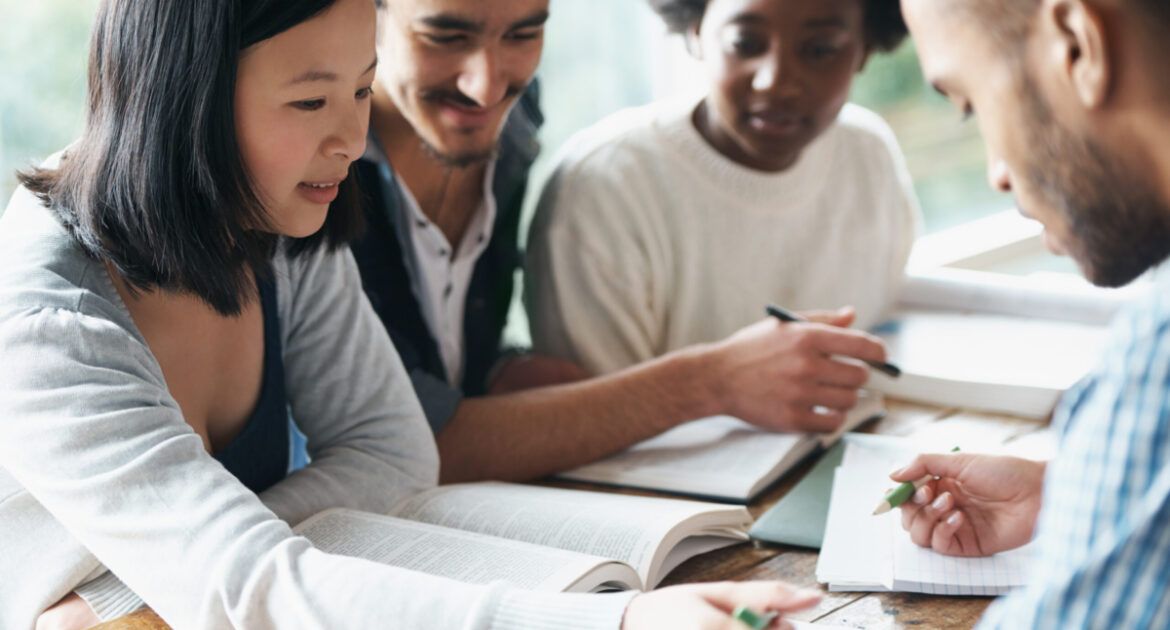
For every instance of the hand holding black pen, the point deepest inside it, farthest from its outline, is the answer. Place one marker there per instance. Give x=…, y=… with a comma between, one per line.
x=798, y=378
x=888, y=369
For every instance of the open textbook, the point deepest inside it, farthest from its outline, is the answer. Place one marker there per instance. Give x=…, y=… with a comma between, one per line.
x=862, y=552
x=721, y=458
x=533, y=537
x=1002, y=346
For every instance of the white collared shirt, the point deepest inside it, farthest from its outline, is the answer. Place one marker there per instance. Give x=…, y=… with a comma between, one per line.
x=444, y=277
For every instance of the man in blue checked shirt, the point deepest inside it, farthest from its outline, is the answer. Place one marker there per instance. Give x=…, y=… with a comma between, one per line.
x=1073, y=98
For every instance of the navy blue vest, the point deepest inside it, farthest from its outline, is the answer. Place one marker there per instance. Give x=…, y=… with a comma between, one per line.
x=258, y=457
x=385, y=257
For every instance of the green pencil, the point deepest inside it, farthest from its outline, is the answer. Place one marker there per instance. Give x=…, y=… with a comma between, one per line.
x=903, y=492
x=753, y=619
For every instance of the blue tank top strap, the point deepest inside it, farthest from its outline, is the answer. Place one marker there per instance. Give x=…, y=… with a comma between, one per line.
x=258, y=457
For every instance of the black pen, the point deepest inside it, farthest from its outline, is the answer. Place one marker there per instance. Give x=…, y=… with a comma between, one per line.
x=889, y=369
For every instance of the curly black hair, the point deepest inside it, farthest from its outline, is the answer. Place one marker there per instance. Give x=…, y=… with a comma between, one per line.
x=884, y=27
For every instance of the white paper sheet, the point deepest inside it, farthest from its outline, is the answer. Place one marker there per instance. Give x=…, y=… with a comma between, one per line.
x=863, y=552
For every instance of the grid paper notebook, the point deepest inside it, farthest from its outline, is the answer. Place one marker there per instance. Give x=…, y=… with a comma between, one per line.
x=863, y=552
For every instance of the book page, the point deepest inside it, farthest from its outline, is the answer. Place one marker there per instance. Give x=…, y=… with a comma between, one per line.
x=626, y=528
x=460, y=555
x=720, y=457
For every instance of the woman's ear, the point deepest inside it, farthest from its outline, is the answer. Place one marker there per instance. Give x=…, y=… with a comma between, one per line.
x=865, y=56
x=691, y=40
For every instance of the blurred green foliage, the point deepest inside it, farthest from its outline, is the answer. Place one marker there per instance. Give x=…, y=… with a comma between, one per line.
x=945, y=155
x=43, y=47
x=599, y=57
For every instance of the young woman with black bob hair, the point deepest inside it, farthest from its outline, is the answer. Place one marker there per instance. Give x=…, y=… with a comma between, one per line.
x=170, y=286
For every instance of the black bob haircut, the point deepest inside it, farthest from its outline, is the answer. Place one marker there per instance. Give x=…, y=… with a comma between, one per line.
x=884, y=28
x=156, y=186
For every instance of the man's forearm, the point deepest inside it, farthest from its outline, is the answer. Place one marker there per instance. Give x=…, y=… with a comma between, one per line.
x=538, y=432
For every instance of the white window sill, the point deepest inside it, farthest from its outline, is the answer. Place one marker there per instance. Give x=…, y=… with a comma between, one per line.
x=1008, y=250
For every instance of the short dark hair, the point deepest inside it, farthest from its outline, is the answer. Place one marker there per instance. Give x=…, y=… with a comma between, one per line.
x=156, y=186
x=1008, y=20
x=884, y=28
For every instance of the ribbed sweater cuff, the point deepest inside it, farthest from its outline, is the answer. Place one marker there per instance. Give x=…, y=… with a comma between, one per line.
x=531, y=610
x=109, y=597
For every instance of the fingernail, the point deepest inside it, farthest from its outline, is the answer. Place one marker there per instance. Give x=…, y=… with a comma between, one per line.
x=897, y=472
x=920, y=496
x=940, y=502
x=953, y=519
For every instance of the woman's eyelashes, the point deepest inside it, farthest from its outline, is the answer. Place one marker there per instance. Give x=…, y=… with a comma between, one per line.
x=310, y=105
x=746, y=45
x=820, y=51
x=314, y=104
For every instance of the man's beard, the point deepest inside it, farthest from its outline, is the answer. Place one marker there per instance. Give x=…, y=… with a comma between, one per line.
x=1118, y=224
x=458, y=160
x=470, y=158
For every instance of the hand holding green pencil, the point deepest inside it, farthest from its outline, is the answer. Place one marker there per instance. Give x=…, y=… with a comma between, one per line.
x=971, y=505
x=903, y=492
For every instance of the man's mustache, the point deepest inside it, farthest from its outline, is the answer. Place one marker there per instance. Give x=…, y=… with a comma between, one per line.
x=459, y=98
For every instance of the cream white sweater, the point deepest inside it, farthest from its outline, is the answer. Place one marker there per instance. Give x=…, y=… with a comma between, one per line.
x=647, y=240
x=98, y=469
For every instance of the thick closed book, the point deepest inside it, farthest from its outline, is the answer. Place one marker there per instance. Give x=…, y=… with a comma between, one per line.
x=533, y=537
x=1003, y=347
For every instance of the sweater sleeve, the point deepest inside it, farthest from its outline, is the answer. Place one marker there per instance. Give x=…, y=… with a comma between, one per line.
x=368, y=440
x=594, y=274
x=90, y=431
x=358, y=464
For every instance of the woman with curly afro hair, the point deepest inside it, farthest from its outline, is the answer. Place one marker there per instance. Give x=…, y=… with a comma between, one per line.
x=673, y=224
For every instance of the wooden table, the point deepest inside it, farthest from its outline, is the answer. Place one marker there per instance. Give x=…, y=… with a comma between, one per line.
x=931, y=428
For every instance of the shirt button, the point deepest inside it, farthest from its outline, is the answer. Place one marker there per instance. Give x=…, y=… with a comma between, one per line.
x=482, y=237
x=447, y=291
x=422, y=224
x=442, y=252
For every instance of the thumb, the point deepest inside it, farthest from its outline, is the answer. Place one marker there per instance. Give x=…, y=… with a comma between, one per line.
x=938, y=465
x=841, y=318
x=761, y=596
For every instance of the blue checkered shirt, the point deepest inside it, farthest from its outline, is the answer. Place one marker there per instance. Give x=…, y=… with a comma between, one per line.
x=1104, y=530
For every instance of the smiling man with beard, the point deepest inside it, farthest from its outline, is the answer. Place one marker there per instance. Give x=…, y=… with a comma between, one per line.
x=1073, y=99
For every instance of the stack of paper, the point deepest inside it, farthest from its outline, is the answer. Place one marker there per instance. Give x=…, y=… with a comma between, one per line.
x=863, y=552
x=992, y=348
